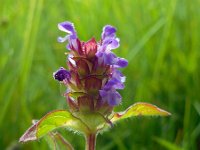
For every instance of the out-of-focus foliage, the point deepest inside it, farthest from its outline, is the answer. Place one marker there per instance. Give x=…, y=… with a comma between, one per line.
x=159, y=38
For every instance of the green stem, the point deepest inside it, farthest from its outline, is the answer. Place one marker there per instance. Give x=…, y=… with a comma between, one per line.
x=90, y=141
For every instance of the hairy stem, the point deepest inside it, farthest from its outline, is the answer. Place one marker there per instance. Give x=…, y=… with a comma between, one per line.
x=90, y=141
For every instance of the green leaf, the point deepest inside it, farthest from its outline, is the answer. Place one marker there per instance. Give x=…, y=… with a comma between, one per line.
x=51, y=121
x=139, y=109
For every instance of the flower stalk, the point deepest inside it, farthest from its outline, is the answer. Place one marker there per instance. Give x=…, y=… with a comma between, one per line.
x=90, y=141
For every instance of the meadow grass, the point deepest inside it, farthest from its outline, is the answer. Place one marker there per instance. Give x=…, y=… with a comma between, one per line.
x=159, y=38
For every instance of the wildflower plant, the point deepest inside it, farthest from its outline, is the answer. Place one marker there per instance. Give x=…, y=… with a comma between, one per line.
x=92, y=81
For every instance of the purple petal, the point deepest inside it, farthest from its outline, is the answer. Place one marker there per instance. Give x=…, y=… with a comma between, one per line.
x=109, y=40
x=111, y=97
x=62, y=39
x=118, y=75
x=109, y=58
x=114, y=83
x=108, y=32
x=114, y=44
x=105, y=58
x=67, y=27
x=114, y=98
x=121, y=63
x=73, y=45
x=110, y=44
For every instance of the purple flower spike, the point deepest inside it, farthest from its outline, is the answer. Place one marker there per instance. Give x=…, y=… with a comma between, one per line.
x=61, y=74
x=93, y=67
x=111, y=97
x=69, y=28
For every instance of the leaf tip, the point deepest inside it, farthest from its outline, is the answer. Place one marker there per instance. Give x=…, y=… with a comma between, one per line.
x=166, y=113
x=29, y=135
x=153, y=109
x=25, y=139
x=162, y=112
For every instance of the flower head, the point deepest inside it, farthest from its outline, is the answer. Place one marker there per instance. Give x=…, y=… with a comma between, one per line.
x=92, y=69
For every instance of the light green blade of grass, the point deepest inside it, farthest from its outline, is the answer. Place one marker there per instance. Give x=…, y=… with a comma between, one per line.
x=28, y=50
x=167, y=145
x=186, y=124
x=141, y=43
x=197, y=107
x=196, y=132
x=26, y=57
x=165, y=36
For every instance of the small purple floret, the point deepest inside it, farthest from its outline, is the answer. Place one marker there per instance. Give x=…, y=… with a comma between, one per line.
x=116, y=81
x=108, y=32
x=107, y=57
x=69, y=28
x=113, y=83
x=61, y=74
x=71, y=37
x=111, y=97
x=110, y=42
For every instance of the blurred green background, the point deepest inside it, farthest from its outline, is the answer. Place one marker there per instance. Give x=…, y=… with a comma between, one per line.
x=161, y=40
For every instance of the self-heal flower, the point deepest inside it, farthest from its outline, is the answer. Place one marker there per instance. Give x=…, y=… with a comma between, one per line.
x=88, y=60
x=92, y=80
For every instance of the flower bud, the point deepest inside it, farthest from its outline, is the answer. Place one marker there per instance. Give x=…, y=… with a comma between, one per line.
x=61, y=74
x=90, y=48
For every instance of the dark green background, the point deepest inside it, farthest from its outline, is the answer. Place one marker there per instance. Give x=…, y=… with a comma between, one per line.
x=161, y=40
